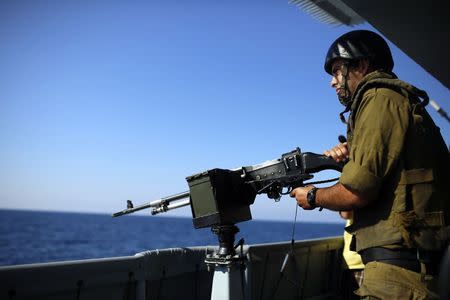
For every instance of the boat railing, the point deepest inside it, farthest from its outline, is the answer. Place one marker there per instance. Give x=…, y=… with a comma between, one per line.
x=180, y=273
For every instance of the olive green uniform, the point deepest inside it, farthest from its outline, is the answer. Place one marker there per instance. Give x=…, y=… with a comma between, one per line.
x=399, y=161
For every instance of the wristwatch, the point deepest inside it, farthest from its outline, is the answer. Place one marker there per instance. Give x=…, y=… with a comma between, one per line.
x=311, y=197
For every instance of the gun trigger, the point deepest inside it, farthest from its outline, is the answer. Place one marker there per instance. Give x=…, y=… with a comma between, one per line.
x=277, y=199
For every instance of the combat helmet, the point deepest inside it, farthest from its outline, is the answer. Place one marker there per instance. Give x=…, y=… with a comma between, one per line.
x=360, y=44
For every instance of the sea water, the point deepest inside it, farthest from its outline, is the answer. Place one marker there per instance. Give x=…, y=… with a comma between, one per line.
x=38, y=236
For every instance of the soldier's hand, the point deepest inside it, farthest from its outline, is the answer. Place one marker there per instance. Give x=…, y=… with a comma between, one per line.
x=339, y=152
x=300, y=196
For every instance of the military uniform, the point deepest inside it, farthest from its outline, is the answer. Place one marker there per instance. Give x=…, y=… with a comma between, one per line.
x=399, y=161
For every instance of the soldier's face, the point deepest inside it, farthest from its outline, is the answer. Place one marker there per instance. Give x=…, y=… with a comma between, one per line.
x=341, y=72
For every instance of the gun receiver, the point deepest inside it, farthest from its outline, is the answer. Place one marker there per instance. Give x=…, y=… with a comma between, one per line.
x=221, y=196
x=289, y=172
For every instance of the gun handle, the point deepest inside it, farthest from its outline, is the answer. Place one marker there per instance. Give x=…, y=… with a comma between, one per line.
x=314, y=163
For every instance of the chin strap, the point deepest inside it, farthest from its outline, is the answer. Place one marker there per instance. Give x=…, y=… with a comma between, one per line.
x=346, y=110
x=346, y=99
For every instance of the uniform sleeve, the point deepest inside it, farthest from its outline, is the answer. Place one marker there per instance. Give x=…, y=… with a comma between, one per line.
x=380, y=129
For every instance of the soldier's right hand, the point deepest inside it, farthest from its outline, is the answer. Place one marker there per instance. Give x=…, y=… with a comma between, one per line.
x=338, y=153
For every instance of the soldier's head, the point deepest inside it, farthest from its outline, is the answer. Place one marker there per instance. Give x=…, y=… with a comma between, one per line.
x=352, y=56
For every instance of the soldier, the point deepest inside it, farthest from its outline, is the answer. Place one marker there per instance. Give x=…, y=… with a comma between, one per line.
x=395, y=180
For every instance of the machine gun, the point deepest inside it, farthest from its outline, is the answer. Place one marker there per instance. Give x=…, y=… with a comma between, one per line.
x=222, y=196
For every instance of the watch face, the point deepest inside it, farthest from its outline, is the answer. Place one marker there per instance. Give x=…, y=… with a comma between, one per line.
x=311, y=197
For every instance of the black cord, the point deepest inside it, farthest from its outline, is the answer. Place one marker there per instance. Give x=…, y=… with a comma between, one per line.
x=322, y=181
x=286, y=258
x=293, y=228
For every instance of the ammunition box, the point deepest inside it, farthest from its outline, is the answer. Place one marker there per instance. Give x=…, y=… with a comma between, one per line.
x=219, y=197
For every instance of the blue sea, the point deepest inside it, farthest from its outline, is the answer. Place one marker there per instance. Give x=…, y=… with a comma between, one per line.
x=36, y=236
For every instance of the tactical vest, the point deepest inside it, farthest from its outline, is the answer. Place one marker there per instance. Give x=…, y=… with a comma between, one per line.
x=414, y=203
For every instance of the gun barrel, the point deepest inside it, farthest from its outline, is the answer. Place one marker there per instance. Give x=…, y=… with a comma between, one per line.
x=156, y=203
x=164, y=208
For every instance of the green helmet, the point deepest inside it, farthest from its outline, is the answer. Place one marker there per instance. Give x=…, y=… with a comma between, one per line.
x=360, y=44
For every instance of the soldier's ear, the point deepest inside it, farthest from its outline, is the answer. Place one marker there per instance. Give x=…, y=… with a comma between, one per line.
x=364, y=66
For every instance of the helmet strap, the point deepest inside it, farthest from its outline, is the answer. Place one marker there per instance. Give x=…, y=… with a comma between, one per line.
x=346, y=110
x=346, y=98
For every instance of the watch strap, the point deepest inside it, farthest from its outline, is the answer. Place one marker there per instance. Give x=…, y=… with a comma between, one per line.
x=311, y=197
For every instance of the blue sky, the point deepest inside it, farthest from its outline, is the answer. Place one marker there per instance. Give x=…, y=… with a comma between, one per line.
x=103, y=101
